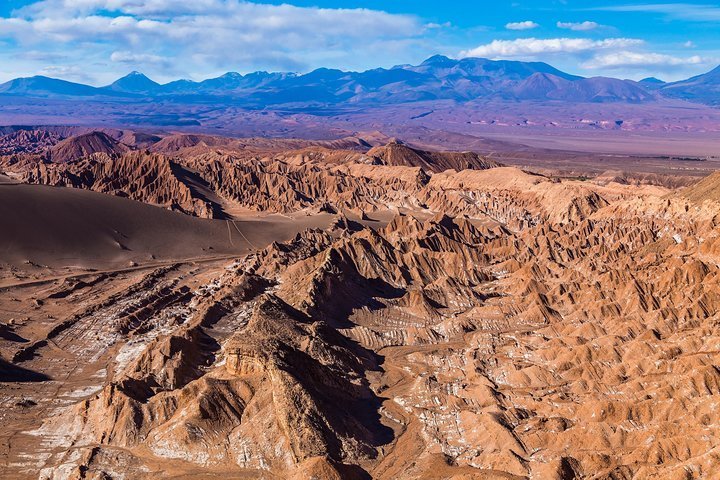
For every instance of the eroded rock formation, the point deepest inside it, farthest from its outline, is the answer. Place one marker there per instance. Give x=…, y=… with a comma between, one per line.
x=473, y=324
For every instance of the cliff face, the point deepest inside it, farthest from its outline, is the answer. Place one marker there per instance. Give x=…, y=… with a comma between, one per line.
x=204, y=182
x=207, y=184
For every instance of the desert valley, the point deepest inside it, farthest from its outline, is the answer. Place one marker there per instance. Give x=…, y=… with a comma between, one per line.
x=194, y=306
x=351, y=257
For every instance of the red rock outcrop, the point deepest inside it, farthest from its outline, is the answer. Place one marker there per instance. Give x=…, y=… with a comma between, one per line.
x=397, y=153
x=82, y=146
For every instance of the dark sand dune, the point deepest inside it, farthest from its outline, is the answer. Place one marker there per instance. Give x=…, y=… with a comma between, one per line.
x=65, y=227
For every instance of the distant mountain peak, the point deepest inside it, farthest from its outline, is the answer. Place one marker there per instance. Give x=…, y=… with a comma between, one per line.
x=651, y=80
x=704, y=88
x=439, y=60
x=327, y=70
x=134, y=76
x=44, y=86
x=134, y=82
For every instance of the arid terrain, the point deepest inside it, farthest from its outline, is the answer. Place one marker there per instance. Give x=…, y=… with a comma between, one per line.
x=191, y=306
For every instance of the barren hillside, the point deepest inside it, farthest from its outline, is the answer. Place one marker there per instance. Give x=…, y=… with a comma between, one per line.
x=353, y=314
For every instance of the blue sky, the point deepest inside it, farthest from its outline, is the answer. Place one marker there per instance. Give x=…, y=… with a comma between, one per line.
x=96, y=41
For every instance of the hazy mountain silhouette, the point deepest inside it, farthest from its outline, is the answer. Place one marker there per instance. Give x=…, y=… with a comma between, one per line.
x=437, y=78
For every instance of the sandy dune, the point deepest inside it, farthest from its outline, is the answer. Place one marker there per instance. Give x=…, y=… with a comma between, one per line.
x=49, y=229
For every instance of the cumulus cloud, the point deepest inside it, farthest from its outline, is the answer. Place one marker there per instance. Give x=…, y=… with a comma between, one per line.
x=529, y=47
x=526, y=25
x=242, y=20
x=210, y=35
x=640, y=60
x=579, y=26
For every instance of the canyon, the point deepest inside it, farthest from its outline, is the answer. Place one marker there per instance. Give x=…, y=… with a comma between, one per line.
x=187, y=305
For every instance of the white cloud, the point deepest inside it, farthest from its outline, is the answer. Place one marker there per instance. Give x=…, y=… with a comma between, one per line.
x=242, y=19
x=433, y=25
x=678, y=11
x=211, y=36
x=689, y=44
x=139, y=58
x=640, y=60
x=526, y=25
x=579, y=26
x=41, y=55
x=529, y=47
x=69, y=72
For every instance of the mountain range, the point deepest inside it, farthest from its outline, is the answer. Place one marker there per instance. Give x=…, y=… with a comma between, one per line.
x=437, y=78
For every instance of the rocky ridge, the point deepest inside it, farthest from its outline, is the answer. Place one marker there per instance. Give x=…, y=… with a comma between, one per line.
x=497, y=324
